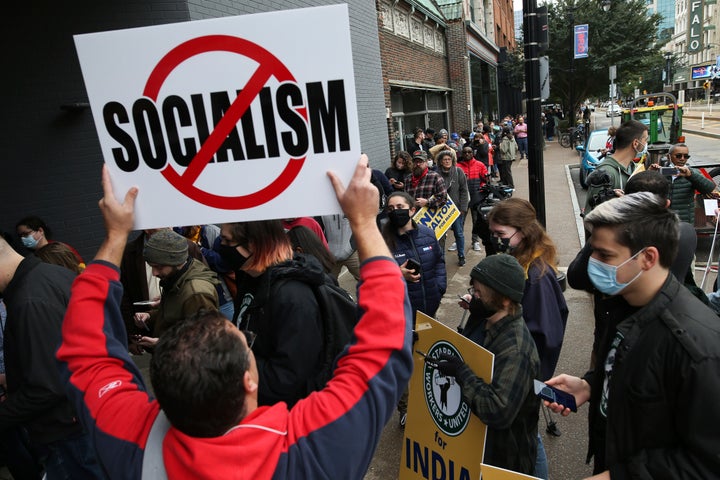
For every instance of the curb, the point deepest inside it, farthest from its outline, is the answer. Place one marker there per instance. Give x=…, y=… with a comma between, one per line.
x=702, y=133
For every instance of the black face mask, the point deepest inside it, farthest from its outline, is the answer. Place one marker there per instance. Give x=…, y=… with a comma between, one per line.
x=478, y=307
x=400, y=217
x=502, y=245
x=230, y=255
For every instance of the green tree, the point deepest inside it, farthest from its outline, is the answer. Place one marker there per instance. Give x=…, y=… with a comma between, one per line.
x=625, y=36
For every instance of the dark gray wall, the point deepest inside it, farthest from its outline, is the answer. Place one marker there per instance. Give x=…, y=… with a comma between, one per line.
x=50, y=158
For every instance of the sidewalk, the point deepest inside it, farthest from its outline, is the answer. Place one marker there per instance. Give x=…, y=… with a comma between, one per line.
x=699, y=119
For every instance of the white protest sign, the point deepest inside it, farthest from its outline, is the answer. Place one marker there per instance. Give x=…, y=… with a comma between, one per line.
x=229, y=119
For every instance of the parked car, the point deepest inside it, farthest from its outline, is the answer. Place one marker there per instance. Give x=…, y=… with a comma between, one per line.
x=613, y=110
x=591, y=154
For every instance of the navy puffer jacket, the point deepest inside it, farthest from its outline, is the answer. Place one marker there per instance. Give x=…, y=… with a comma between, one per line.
x=420, y=243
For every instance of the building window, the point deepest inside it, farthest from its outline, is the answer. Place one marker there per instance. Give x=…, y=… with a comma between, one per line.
x=415, y=108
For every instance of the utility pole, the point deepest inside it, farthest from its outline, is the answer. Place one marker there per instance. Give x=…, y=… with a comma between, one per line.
x=536, y=177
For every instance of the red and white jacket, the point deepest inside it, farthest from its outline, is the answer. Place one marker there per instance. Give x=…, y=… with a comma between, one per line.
x=330, y=434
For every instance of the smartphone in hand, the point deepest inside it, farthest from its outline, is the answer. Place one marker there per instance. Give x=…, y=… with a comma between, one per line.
x=552, y=394
x=413, y=265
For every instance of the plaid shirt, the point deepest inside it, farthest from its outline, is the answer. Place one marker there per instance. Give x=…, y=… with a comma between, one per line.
x=431, y=187
x=508, y=406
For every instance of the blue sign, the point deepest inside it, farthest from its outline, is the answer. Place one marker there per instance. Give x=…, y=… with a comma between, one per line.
x=581, y=43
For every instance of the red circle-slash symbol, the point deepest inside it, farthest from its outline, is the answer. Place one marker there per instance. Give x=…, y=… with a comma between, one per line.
x=268, y=66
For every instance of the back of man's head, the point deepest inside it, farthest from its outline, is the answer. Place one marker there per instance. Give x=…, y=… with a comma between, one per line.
x=627, y=132
x=648, y=181
x=197, y=371
x=639, y=220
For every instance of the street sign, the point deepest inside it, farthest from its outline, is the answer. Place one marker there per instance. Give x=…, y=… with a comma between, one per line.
x=613, y=90
x=223, y=120
x=613, y=73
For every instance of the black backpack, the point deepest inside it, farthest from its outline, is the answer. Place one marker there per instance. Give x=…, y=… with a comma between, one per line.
x=339, y=315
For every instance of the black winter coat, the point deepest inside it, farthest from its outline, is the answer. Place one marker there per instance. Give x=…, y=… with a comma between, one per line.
x=280, y=307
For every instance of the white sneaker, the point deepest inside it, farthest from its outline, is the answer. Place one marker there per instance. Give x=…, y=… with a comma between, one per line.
x=453, y=247
x=476, y=247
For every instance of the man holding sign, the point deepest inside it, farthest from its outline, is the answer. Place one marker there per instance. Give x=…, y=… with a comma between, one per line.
x=206, y=380
x=425, y=186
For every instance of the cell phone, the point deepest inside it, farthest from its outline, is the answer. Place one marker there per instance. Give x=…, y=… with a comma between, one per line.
x=136, y=338
x=413, y=265
x=669, y=171
x=144, y=303
x=463, y=299
x=552, y=394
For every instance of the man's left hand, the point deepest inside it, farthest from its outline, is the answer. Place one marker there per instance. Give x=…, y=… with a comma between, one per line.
x=421, y=202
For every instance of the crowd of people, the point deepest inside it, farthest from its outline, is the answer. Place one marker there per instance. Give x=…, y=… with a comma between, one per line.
x=236, y=329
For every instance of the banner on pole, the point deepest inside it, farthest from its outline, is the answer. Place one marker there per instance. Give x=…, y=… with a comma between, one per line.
x=581, y=41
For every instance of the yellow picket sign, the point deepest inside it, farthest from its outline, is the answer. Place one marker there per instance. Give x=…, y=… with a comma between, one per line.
x=443, y=439
x=438, y=219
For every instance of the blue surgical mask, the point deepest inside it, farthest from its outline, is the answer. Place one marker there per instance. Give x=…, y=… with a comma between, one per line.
x=604, y=276
x=642, y=152
x=29, y=241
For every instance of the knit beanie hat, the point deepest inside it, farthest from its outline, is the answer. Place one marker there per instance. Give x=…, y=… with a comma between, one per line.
x=503, y=274
x=166, y=247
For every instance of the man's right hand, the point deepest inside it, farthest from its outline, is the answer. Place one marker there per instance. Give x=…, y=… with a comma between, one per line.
x=359, y=202
x=576, y=386
x=119, y=219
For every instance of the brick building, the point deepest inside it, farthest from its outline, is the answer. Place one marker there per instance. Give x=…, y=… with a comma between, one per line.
x=440, y=63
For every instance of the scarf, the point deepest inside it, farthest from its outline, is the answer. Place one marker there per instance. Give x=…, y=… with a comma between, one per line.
x=416, y=180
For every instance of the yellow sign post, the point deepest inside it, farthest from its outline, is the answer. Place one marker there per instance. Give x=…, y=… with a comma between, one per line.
x=438, y=219
x=443, y=439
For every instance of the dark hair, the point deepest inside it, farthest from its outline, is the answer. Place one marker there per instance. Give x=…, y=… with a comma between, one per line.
x=648, y=181
x=197, y=371
x=640, y=220
x=536, y=244
x=266, y=240
x=34, y=223
x=407, y=159
x=58, y=253
x=389, y=232
x=308, y=242
x=628, y=131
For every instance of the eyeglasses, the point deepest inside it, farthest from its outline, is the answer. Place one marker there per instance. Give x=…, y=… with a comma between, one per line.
x=681, y=155
x=250, y=337
x=471, y=291
x=26, y=234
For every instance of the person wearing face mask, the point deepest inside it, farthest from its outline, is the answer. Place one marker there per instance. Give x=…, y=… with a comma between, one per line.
x=656, y=392
x=275, y=300
x=421, y=261
x=35, y=234
x=516, y=231
x=631, y=141
x=507, y=405
x=409, y=241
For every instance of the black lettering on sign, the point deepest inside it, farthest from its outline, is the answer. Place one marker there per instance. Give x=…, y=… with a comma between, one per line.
x=126, y=158
x=298, y=146
x=328, y=117
x=268, y=115
x=149, y=133
x=219, y=104
x=175, y=111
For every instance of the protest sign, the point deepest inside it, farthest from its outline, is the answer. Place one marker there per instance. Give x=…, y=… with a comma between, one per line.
x=438, y=220
x=226, y=119
x=443, y=439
